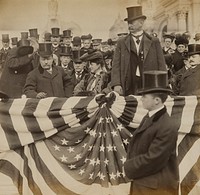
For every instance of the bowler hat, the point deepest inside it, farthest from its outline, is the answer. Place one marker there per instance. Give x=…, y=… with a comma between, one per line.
x=134, y=13
x=86, y=37
x=193, y=49
x=55, y=32
x=67, y=34
x=96, y=41
x=24, y=47
x=76, y=56
x=47, y=37
x=45, y=49
x=5, y=38
x=14, y=40
x=34, y=33
x=155, y=81
x=24, y=35
x=76, y=41
x=65, y=51
x=197, y=36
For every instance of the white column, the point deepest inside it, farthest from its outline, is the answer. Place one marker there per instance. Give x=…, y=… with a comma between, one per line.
x=181, y=15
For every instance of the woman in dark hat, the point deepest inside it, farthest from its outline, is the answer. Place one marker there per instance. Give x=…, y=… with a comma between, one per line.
x=151, y=157
x=168, y=40
x=97, y=80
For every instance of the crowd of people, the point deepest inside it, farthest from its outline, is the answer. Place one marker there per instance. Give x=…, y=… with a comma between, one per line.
x=65, y=66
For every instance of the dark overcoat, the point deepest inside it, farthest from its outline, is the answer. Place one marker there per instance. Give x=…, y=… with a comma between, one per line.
x=151, y=157
x=152, y=55
x=190, y=82
x=57, y=84
x=14, y=74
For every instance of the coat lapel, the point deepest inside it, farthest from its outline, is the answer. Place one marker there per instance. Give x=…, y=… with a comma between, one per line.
x=147, y=45
x=128, y=42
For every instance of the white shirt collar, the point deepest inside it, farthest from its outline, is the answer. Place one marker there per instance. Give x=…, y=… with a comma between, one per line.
x=152, y=112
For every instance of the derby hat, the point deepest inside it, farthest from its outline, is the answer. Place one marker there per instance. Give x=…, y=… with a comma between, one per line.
x=24, y=35
x=86, y=37
x=76, y=54
x=47, y=37
x=24, y=47
x=55, y=32
x=155, y=82
x=197, y=36
x=134, y=13
x=67, y=34
x=76, y=41
x=34, y=33
x=193, y=49
x=45, y=49
x=96, y=41
x=65, y=51
x=14, y=40
x=5, y=38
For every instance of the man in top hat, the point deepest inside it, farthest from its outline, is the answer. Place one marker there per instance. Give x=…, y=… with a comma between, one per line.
x=66, y=59
x=178, y=56
x=67, y=38
x=24, y=35
x=86, y=42
x=168, y=40
x=151, y=162
x=17, y=66
x=55, y=40
x=47, y=80
x=4, y=50
x=135, y=53
x=76, y=43
x=47, y=37
x=34, y=34
x=197, y=38
x=190, y=80
x=14, y=41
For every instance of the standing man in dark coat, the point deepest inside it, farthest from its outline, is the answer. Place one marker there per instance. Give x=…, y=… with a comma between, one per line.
x=4, y=50
x=47, y=80
x=18, y=65
x=151, y=158
x=135, y=53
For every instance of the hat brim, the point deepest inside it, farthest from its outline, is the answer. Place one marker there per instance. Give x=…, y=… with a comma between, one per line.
x=193, y=53
x=64, y=54
x=24, y=50
x=154, y=90
x=3, y=95
x=135, y=18
x=45, y=55
x=77, y=61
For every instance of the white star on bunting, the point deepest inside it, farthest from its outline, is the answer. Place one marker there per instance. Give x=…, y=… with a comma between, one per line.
x=63, y=158
x=64, y=141
x=70, y=149
x=57, y=148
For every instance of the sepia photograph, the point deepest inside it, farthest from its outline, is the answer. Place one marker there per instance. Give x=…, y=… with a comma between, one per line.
x=99, y=97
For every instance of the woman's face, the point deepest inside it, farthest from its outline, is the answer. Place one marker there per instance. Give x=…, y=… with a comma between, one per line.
x=181, y=48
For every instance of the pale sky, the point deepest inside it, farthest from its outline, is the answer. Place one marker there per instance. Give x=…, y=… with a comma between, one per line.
x=93, y=16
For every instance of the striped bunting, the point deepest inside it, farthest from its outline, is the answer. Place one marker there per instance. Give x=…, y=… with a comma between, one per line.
x=53, y=145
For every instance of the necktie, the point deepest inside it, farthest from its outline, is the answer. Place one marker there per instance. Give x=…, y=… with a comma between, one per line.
x=137, y=38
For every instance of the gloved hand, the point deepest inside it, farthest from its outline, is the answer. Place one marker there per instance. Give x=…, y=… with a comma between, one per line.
x=41, y=95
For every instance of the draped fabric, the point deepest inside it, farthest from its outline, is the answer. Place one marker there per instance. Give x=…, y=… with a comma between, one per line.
x=78, y=145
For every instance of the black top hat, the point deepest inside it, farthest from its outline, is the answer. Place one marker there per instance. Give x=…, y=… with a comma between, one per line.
x=67, y=34
x=65, y=51
x=76, y=56
x=24, y=35
x=47, y=37
x=34, y=33
x=55, y=32
x=193, y=49
x=86, y=37
x=24, y=47
x=5, y=38
x=14, y=40
x=134, y=13
x=45, y=49
x=155, y=81
x=76, y=41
